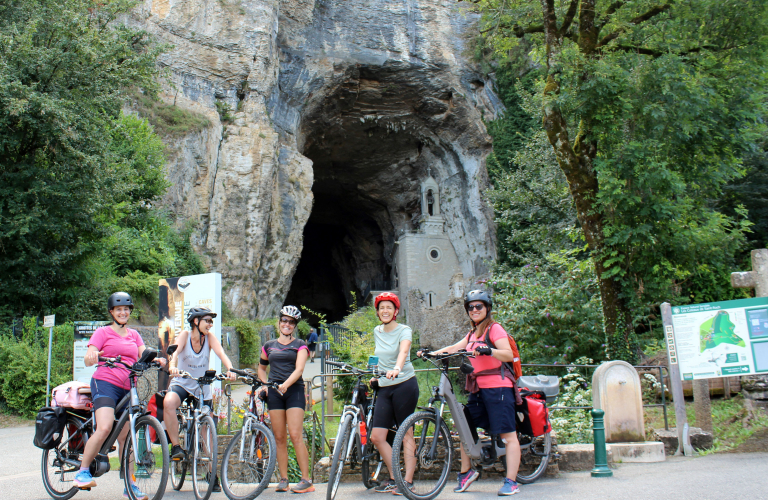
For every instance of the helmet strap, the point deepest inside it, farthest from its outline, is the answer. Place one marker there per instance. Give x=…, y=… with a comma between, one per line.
x=121, y=325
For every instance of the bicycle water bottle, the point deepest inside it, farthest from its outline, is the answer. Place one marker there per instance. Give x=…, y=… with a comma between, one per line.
x=363, y=434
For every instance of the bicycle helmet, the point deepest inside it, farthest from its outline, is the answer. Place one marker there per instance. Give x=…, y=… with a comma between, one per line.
x=198, y=312
x=476, y=295
x=291, y=312
x=119, y=299
x=386, y=296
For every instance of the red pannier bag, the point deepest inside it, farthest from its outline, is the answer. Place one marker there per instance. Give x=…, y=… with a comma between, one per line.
x=535, y=414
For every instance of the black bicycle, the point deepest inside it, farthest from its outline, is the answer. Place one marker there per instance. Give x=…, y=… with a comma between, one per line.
x=145, y=454
x=352, y=442
x=250, y=458
x=198, y=439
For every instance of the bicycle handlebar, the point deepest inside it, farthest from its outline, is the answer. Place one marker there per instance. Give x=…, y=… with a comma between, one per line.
x=357, y=371
x=252, y=379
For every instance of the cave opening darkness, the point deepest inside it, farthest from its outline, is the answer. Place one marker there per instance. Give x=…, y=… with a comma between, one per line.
x=368, y=141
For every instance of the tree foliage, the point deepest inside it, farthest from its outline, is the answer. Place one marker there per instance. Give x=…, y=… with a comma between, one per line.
x=78, y=179
x=648, y=108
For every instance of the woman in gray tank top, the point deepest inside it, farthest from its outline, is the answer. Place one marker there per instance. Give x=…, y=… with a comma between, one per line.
x=193, y=355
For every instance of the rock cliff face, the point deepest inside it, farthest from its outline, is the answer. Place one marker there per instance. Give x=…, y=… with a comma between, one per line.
x=324, y=116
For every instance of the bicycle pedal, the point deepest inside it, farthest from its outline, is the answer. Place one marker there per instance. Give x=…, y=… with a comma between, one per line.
x=86, y=489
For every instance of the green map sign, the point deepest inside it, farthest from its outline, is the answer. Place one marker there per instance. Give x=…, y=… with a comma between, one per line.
x=720, y=339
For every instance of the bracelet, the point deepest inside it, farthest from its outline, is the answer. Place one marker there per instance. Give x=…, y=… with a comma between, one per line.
x=397, y=368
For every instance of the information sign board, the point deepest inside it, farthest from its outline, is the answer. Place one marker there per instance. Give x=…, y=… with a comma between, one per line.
x=720, y=339
x=83, y=332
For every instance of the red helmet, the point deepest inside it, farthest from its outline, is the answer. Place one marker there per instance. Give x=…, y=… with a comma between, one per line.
x=386, y=296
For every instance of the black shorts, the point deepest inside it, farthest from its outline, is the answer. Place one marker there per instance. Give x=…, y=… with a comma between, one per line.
x=493, y=409
x=184, y=394
x=312, y=346
x=293, y=398
x=107, y=395
x=395, y=403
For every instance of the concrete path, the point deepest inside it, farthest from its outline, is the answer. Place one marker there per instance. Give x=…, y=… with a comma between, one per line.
x=715, y=477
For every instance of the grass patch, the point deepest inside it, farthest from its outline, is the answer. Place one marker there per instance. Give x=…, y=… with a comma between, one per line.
x=167, y=119
x=730, y=431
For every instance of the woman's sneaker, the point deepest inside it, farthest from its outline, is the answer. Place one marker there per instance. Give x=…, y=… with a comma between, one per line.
x=397, y=490
x=304, y=486
x=282, y=486
x=465, y=480
x=508, y=488
x=177, y=453
x=137, y=493
x=386, y=486
x=84, y=479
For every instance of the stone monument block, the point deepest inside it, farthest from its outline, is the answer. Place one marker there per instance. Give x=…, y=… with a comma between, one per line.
x=616, y=390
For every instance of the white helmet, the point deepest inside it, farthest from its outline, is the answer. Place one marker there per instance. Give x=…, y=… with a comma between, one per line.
x=291, y=312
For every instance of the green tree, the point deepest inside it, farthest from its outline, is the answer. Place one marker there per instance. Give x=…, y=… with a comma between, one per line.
x=648, y=108
x=64, y=68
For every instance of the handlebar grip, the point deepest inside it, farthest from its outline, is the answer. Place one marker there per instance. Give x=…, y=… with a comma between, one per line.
x=334, y=363
x=242, y=373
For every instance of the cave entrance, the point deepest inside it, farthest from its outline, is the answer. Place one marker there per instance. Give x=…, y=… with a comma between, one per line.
x=365, y=138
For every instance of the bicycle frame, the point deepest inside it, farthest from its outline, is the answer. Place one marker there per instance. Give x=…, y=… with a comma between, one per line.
x=444, y=393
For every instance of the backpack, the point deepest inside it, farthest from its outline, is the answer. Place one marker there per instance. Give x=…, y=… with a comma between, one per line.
x=516, y=366
x=49, y=425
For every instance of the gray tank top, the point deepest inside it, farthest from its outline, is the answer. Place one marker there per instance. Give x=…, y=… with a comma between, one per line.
x=196, y=364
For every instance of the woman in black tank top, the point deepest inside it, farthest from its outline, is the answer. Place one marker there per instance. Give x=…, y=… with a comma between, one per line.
x=286, y=357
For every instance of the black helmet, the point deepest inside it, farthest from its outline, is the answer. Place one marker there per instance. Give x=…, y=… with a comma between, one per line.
x=119, y=299
x=476, y=295
x=198, y=312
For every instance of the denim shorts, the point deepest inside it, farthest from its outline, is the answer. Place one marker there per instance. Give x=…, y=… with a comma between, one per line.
x=106, y=395
x=493, y=409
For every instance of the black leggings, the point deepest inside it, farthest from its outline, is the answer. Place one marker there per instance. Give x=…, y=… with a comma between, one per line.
x=395, y=403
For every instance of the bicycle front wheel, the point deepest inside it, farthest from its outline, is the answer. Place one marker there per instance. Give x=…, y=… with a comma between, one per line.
x=179, y=467
x=339, y=456
x=205, y=454
x=534, y=457
x=57, y=473
x=422, y=450
x=147, y=468
x=249, y=462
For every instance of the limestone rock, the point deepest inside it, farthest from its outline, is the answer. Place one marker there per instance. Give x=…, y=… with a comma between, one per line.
x=700, y=440
x=323, y=116
x=322, y=469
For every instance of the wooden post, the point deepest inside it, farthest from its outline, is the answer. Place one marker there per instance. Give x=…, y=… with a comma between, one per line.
x=675, y=382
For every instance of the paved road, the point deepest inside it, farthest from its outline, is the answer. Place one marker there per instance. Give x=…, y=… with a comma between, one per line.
x=716, y=477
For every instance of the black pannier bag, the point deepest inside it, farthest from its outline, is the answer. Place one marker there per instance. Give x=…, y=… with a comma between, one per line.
x=49, y=426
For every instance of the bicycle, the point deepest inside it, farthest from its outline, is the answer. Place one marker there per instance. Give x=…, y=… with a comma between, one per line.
x=434, y=447
x=145, y=448
x=249, y=460
x=196, y=425
x=352, y=437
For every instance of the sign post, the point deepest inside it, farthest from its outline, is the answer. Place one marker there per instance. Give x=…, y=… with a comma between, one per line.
x=49, y=321
x=675, y=381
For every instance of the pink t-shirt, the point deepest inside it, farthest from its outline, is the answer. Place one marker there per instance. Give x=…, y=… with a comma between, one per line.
x=481, y=363
x=107, y=340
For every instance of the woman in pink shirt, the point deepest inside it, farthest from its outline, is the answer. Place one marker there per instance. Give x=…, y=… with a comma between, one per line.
x=492, y=405
x=110, y=385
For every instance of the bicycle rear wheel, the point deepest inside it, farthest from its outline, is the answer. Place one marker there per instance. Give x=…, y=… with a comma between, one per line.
x=150, y=473
x=179, y=467
x=205, y=454
x=57, y=474
x=249, y=462
x=534, y=457
x=339, y=456
x=412, y=449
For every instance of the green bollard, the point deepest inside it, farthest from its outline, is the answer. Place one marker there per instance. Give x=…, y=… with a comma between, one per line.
x=601, y=456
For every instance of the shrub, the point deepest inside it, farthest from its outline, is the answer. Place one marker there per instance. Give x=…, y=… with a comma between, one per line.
x=24, y=363
x=574, y=426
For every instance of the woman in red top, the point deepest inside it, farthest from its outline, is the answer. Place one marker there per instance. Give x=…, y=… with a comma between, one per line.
x=493, y=405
